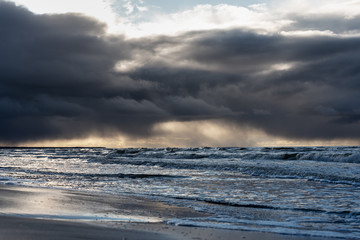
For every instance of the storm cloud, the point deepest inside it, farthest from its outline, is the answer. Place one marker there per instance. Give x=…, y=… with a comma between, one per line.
x=63, y=77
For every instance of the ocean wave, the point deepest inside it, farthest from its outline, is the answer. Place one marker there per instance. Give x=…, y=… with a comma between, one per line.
x=320, y=154
x=338, y=168
x=346, y=214
x=93, y=176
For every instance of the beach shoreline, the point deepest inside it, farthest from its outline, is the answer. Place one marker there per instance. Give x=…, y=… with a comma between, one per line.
x=43, y=213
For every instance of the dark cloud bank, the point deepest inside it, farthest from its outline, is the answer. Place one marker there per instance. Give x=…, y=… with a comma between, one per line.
x=57, y=80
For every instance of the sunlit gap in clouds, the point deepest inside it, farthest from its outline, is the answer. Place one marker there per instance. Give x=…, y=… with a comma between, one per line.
x=265, y=17
x=199, y=17
x=214, y=133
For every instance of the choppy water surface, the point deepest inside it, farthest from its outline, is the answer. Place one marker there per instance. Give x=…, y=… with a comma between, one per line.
x=303, y=190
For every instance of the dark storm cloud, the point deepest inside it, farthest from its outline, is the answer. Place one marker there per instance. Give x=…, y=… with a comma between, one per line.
x=57, y=80
x=56, y=76
x=316, y=98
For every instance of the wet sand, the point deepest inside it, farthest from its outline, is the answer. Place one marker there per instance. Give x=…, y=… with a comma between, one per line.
x=17, y=228
x=42, y=214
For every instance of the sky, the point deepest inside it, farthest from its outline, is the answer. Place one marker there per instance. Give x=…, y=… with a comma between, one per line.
x=137, y=73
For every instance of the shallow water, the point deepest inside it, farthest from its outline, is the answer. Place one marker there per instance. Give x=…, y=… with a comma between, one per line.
x=302, y=190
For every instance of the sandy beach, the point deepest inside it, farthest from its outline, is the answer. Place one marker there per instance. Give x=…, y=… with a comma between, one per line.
x=39, y=213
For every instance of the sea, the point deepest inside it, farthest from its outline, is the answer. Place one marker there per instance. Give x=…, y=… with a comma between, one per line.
x=289, y=190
